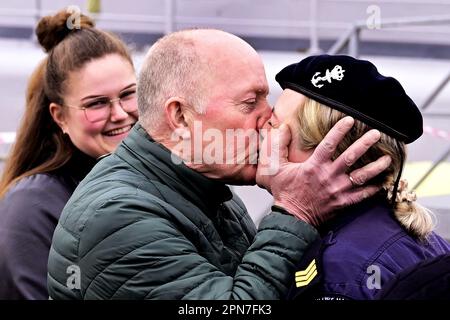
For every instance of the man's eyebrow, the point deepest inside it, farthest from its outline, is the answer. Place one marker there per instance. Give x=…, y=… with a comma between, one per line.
x=259, y=91
x=129, y=86
x=262, y=91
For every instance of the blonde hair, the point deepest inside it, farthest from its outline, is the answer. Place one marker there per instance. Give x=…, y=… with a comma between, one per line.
x=315, y=120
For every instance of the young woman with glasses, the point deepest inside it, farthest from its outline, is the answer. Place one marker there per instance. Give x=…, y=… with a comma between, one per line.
x=80, y=104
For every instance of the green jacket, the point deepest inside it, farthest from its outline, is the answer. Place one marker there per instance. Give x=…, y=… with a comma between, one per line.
x=141, y=227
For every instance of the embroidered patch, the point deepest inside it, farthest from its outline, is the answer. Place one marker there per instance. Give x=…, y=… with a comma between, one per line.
x=304, y=277
x=336, y=74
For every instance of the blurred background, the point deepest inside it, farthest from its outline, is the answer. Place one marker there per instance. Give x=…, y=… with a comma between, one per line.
x=407, y=39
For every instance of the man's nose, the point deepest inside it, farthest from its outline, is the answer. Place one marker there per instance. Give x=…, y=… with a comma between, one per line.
x=268, y=124
x=266, y=114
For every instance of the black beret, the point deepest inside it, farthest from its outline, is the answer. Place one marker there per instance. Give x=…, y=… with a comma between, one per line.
x=356, y=88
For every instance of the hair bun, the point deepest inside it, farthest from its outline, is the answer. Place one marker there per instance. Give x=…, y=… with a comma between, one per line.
x=51, y=30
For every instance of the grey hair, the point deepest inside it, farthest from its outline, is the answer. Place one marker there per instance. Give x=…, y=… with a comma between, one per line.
x=172, y=68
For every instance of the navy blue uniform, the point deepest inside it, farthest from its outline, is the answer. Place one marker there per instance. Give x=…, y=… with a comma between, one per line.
x=361, y=250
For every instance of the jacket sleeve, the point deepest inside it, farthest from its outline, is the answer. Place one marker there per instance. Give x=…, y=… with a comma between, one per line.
x=150, y=256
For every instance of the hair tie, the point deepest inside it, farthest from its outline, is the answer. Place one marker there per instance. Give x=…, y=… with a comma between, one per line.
x=403, y=194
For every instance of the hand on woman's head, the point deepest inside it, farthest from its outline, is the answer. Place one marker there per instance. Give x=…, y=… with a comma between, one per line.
x=313, y=190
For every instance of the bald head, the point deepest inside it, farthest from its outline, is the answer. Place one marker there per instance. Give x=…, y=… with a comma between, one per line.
x=185, y=64
x=215, y=45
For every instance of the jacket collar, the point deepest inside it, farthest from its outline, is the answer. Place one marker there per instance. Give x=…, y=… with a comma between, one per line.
x=154, y=160
x=347, y=215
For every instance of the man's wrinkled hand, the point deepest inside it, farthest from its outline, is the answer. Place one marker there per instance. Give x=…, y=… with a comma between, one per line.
x=314, y=189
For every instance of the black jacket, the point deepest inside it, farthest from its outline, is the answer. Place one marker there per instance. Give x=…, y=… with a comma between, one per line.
x=428, y=280
x=29, y=212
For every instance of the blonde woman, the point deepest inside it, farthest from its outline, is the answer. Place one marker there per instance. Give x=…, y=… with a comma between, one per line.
x=366, y=244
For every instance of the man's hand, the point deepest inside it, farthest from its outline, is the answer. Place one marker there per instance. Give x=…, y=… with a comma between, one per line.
x=312, y=190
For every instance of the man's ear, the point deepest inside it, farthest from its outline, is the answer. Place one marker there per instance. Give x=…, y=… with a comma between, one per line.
x=57, y=113
x=178, y=114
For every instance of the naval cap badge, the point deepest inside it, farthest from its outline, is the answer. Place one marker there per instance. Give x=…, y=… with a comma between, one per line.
x=336, y=74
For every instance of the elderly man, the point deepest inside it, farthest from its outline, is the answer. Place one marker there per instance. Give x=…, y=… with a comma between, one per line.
x=155, y=220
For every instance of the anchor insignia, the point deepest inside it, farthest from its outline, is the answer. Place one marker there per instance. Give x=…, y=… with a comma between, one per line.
x=336, y=74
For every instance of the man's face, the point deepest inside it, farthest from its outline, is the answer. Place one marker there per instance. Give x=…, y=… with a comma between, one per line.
x=236, y=109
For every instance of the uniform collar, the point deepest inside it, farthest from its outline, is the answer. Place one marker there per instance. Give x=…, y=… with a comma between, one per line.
x=346, y=215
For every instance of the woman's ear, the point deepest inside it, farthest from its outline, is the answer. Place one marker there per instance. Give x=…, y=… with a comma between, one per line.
x=57, y=113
